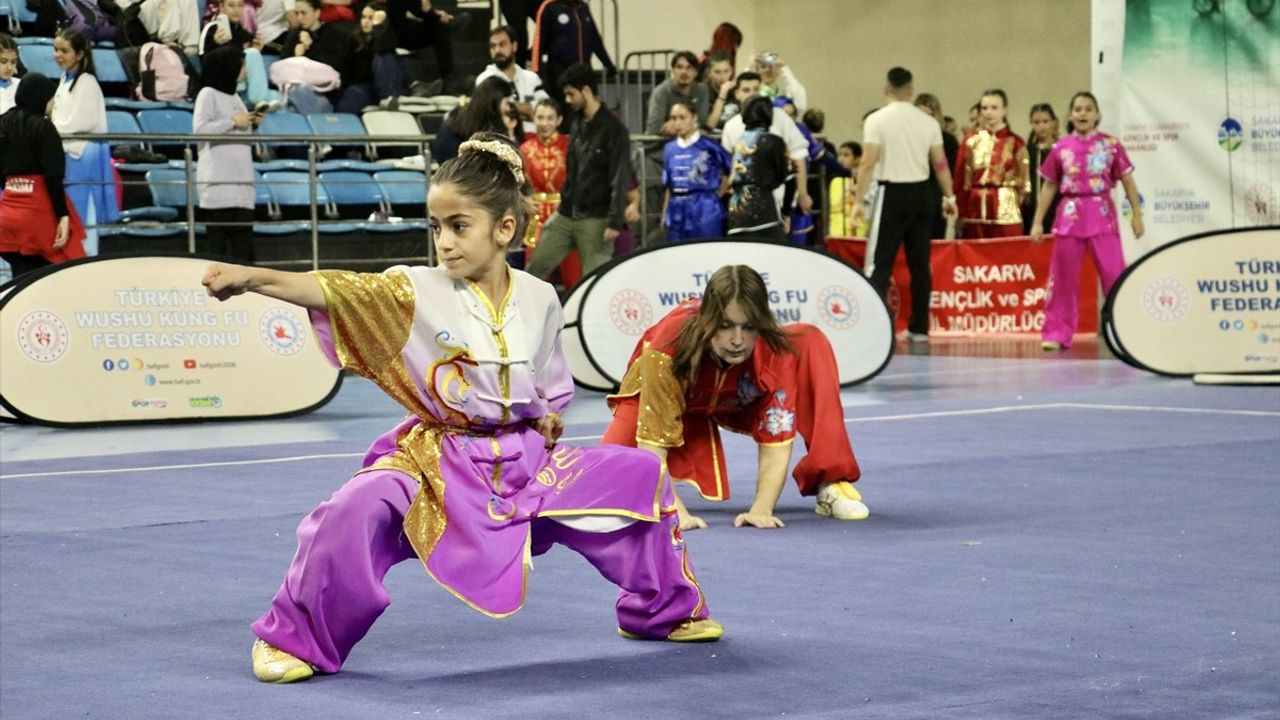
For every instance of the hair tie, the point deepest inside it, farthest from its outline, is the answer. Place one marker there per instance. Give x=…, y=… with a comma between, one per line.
x=503, y=151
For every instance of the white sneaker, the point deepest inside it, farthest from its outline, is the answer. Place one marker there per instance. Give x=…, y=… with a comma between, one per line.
x=839, y=500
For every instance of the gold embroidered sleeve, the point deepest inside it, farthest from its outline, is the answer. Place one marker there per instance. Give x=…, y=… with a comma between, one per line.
x=371, y=315
x=660, y=418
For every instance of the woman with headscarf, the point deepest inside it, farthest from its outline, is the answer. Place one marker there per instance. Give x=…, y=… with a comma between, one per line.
x=224, y=171
x=760, y=165
x=38, y=227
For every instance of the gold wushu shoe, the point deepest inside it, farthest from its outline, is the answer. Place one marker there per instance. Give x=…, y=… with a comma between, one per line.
x=273, y=665
x=704, y=630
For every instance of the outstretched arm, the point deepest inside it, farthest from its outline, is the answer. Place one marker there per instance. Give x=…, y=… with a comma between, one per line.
x=223, y=281
x=770, y=477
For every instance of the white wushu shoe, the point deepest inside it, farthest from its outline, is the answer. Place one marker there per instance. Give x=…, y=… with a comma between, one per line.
x=840, y=501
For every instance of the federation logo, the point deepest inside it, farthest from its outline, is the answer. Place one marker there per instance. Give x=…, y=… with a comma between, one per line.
x=631, y=312
x=281, y=331
x=42, y=336
x=838, y=307
x=1230, y=135
x=1166, y=299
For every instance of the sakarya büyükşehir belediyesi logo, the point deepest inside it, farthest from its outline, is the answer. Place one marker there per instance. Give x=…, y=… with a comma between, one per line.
x=1230, y=135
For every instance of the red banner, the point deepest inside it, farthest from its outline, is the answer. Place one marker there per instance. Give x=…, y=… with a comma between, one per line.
x=981, y=287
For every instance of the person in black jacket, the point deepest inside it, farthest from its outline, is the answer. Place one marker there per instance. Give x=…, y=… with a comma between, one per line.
x=593, y=200
x=38, y=227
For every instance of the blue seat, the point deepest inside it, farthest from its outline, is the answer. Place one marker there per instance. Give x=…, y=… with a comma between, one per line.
x=336, y=124
x=168, y=187
x=118, y=103
x=290, y=191
x=348, y=188
x=284, y=123
x=27, y=40
x=167, y=121
x=403, y=188
x=39, y=58
x=274, y=165
x=107, y=66
x=120, y=122
x=348, y=164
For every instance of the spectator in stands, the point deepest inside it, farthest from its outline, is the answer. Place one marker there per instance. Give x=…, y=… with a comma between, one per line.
x=326, y=44
x=527, y=84
x=797, y=148
x=224, y=171
x=8, y=68
x=682, y=86
x=1044, y=133
x=991, y=174
x=717, y=73
x=778, y=79
x=37, y=225
x=840, y=198
x=78, y=107
x=975, y=118
x=172, y=23
x=593, y=201
x=226, y=29
x=546, y=156
x=728, y=105
x=418, y=24
x=905, y=143
x=218, y=32
x=489, y=110
x=519, y=13
x=373, y=68
x=565, y=34
x=759, y=170
x=931, y=106
x=778, y=381
x=725, y=40
x=695, y=172
x=274, y=24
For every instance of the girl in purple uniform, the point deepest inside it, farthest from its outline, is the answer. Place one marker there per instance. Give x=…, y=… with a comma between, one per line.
x=1083, y=167
x=695, y=171
x=473, y=482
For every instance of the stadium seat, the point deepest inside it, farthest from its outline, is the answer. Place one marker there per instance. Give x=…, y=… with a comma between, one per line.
x=392, y=122
x=291, y=193
x=39, y=58
x=168, y=121
x=23, y=40
x=283, y=123
x=354, y=194
x=360, y=165
x=275, y=165
x=404, y=190
x=169, y=187
x=107, y=67
x=118, y=103
x=120, y=122
x=336, y=124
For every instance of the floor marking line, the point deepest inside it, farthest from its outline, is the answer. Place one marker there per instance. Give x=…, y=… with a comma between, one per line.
x=578, y=438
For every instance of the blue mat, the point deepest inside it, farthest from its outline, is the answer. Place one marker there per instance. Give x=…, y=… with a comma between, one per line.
x=1048, y=539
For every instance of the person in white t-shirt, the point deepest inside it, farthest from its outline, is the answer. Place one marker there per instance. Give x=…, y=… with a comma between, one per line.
x=903, y=141
x=528, y=86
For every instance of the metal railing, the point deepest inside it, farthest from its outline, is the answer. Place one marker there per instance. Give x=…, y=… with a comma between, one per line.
x=313, y=145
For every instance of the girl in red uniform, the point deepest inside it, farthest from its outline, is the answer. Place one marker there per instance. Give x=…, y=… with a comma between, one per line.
x=38, y=227
x=724, y=361
x=991, y=174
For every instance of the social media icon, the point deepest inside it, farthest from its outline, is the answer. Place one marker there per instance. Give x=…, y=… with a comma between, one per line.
x=123, y=364
x=108, y=365
x=189, y=364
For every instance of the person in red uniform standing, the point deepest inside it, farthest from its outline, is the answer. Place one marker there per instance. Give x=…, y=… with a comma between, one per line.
x=38, y=227
x=546, y=158
x=724, y=361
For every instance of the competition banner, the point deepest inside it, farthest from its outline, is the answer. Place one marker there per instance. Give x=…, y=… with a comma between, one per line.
x=981, y=287
x=617, y=303
x=137, y=340
x=1199, y=114
x=1206, y=304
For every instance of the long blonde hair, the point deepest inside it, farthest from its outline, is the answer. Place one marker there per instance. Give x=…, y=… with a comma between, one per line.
x=729, y=283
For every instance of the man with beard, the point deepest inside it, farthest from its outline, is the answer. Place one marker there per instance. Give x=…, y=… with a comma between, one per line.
x=683, y=87
x=593, y=200
x=528, y=86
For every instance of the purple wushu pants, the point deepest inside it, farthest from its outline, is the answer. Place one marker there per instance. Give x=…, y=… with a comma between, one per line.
x=333, y=591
